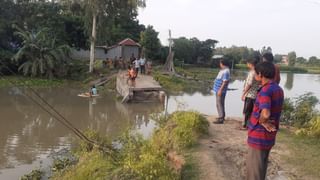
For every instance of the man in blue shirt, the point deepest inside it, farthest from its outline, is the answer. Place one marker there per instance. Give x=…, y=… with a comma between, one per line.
x=220, y=88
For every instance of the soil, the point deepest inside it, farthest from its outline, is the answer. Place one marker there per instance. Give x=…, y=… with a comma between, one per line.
x=221, y=155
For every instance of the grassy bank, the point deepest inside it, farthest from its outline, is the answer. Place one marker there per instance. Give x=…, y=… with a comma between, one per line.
x=34, y=82
x=190, y=79
x=304, y=153
x=165, y=155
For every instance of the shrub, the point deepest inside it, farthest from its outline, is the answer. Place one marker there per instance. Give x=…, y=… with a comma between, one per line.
x=300, y=111
x=189, y=126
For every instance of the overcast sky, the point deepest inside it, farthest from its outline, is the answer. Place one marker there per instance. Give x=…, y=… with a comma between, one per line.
x=285, y=25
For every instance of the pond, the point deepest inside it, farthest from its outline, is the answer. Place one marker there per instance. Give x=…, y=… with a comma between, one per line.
x=293, y=85
x=28, y=134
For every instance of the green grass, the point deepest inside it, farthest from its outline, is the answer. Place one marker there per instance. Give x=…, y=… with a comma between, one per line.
x=305, y=152
x=194, y=79
x=191, y=169
x=159, y=157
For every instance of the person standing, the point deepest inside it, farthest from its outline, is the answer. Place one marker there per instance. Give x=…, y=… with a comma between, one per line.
x=142, y=63
x=136, y=64
x=220, y=88
x=250, y=90
x=268, y=57
x=264, y=121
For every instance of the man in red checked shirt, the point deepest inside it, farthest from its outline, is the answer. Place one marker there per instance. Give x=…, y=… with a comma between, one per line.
x=264, y=121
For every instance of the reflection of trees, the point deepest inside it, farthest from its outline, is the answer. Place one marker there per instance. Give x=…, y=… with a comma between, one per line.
x=289, y=82
x=26, y=131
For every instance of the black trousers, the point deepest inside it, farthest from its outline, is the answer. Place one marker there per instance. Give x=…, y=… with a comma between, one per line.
x=247, y=110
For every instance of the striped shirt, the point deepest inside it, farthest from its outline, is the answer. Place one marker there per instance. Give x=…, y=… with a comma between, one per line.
x=223, y=75
x=270, y=96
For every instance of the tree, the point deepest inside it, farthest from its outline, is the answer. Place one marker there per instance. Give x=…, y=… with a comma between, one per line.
x=103, y=9
x=313, y=60
x=183, y=48
x=292, y=58
x=150, y=43
x=40, y=55
x=301, y=60
x=277, y=58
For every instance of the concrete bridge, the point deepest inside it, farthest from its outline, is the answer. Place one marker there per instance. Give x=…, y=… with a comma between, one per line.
x=145, y=89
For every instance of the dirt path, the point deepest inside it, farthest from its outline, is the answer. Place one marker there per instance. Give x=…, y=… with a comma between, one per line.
x=221, y=155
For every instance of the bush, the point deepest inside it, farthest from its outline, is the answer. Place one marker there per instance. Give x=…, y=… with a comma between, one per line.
x=189, y=126
x=313, y=129
x=300, y=111
x=33, y=175
x=138, y=158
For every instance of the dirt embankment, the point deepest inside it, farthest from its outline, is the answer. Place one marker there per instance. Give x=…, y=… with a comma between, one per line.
x=222, y=154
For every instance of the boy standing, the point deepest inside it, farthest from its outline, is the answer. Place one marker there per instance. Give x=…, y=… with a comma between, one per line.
x=264, y=121
x=250, y=90
x=220, y=88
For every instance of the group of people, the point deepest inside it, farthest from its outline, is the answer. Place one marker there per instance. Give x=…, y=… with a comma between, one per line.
x=263, y=99
x=137, y=65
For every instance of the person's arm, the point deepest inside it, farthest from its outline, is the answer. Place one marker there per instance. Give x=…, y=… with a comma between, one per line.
x=265, y=113
x=222, y=87
x=245, y=91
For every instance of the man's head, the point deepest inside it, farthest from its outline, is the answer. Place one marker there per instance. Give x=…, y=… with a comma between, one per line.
x=267, y=57
x=252, y=62
x=224, y=63
x=264, y=70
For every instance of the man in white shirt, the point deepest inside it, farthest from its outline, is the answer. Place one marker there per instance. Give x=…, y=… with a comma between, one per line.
x=142, y=63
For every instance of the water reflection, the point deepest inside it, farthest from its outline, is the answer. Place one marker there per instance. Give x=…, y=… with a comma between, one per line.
x=294, y=85
x=289, y=81
x=27, y=132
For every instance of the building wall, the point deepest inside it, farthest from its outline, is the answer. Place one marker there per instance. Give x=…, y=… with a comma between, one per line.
x=100, y=53
x=116, y=51
x=128, y=50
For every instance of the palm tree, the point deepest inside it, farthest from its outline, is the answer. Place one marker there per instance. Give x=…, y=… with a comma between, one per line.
x=40, y=54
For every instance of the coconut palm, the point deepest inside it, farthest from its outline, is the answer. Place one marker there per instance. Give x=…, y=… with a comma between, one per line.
x=39, y=54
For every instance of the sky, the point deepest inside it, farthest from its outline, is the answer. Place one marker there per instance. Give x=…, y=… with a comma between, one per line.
x=284, y=25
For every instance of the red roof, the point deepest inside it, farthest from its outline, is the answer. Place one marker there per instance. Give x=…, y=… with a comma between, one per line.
x=128, y=42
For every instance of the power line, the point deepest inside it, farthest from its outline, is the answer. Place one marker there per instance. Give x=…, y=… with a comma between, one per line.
x=64, y=121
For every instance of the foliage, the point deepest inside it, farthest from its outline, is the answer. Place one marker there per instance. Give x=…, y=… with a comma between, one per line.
x=292, y=57
x=150, y=43
x=194, y=51
x=189, y=126
x=60, y=164
x=138, y=158
x=85, y=146
x=300, y=111
x=237, y=54
x=40, y=55
x=33, y=82
x=313, y=128
x=33, y=175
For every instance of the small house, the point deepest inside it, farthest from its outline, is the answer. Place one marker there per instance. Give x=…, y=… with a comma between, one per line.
x=124, y=49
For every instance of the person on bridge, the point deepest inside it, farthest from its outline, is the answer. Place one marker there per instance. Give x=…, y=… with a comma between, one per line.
x=131, y=76
x=264, y=121
x=142, y=63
